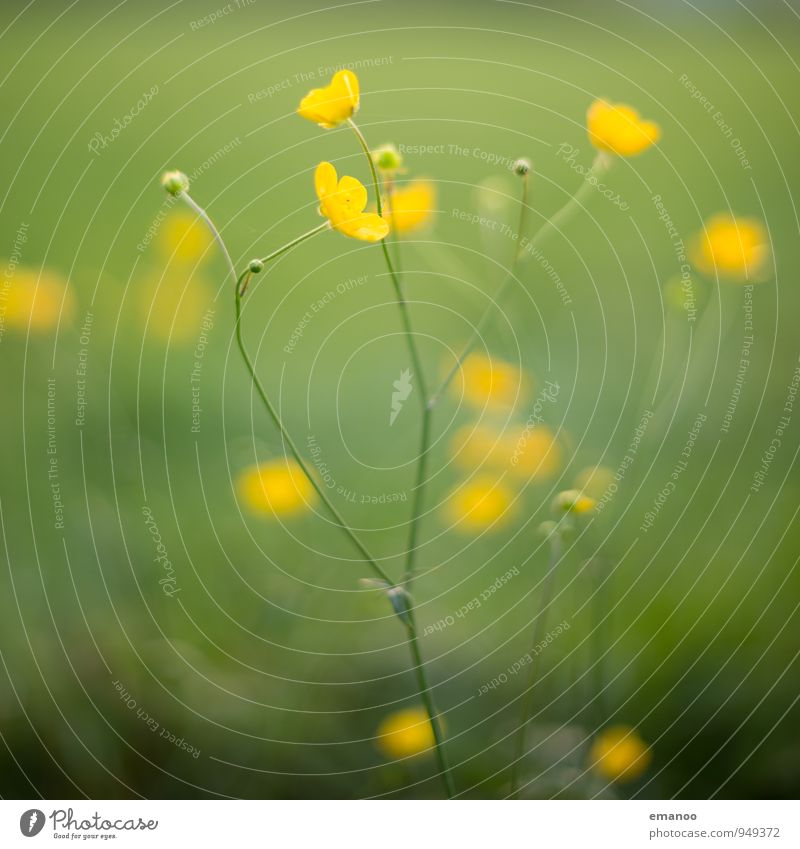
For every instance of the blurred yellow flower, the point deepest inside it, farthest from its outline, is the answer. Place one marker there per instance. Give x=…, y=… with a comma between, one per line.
x=276, y=488
x=480, y=445
x=730, y=247
x=573, y=501
x=185, y=238
x=412, y=206
x=34, y=298
x=342, y=202
x=173, y=305
x=405, y=733
x=529, y=453
x=334, y=103
x=618, y=128
x=536, y=453
x=480, y=504
x=594, y=480
x=490, y=382
x=620, y=754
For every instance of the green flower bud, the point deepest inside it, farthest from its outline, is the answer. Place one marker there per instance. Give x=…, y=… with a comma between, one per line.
x=522, y=167
x=175, y=182
x=547, y=528
x=387, y=158
x=256, y=266
x=573, y=501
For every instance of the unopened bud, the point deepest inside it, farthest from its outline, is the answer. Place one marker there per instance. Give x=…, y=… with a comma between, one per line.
x=256, y=266
x=573, y=501
x=175, y=182
x=522, y=167
x=387, y=158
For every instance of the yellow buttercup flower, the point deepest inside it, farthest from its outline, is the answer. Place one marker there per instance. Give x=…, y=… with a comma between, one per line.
x=529, y=454
x=276, y=488
x=334, y=103
x=536, y=453
x=490, y=382
x=733, y=248
x=480, y=445
x=620, y=754
x=184, y=237
x=35, y=299
x=405, y=733
x=619, y=129
x=411, y=206
x=480, y=504
x=342, y=202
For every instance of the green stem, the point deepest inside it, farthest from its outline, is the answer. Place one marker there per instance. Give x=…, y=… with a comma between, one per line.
x=307, y=235
x=188, y=199
x=600, y=163
x=527, y=697
x=427, y=700
x=416, y=510
x=241, y=282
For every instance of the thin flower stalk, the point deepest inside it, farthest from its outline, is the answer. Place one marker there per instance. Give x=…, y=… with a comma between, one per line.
x=601, y=162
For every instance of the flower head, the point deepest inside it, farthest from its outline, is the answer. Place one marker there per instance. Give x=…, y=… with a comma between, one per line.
x=573, y=501
x=619, y=129
x=334, y=103
x=522, y=166
x=276, y=488
x=405, y=733
x=342, y=202
x=37, y=299
x=387, y=158
x=175, y=182
x=525, y=453
x=536, y=453
x=482, y=503
x=733, y=248
x=620, y=754
x=491, y=382
x=411, y=206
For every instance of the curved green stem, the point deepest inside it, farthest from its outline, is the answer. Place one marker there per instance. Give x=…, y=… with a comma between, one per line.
x=188, y=199
x=307, y=235
x=530, y=684
x=600, y=163
x=241, y=284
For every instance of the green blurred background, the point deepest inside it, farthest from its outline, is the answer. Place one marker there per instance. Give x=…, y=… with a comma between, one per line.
x=272, y=661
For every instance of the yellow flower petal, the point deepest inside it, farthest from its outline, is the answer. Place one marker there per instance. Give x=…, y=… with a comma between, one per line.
x=184, y=237
x=732, y=248
x=368, y=227
x=620, y=754
x=276, y=488
x=38, y=299
x=491, y=382
x=342, y=202
x=411, y=207
x=481, y=504
x=405, y=733
x=618, y=128
x=334, y=103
